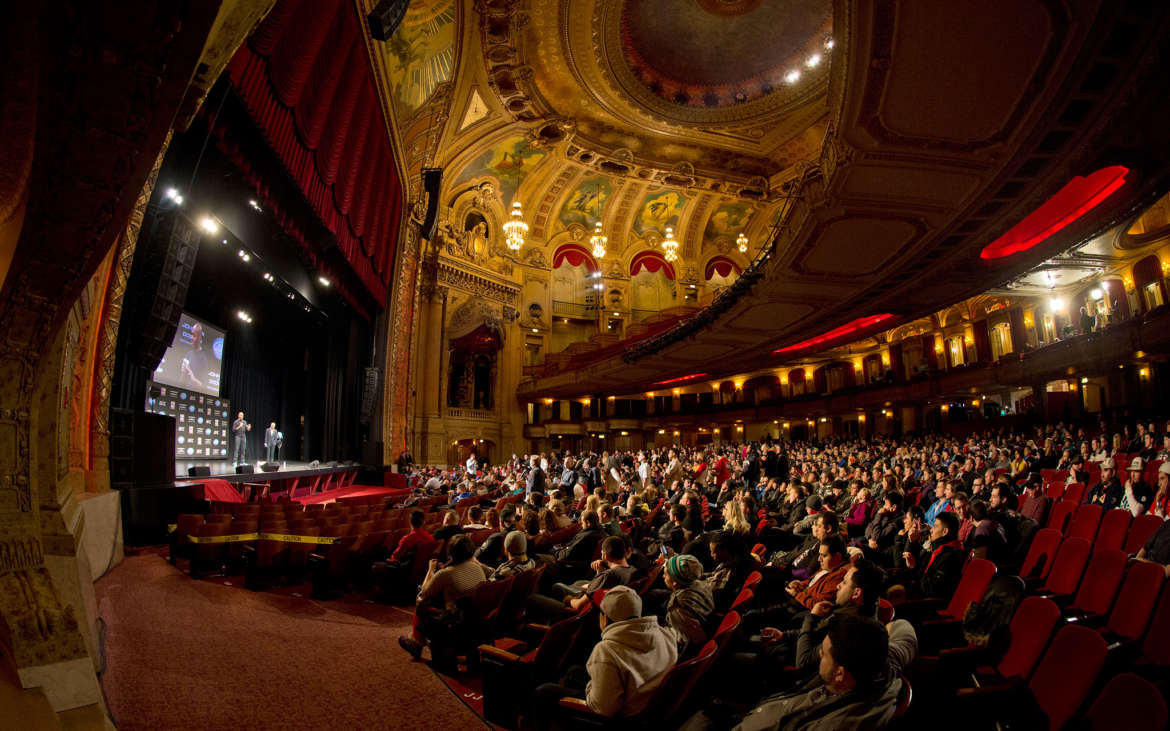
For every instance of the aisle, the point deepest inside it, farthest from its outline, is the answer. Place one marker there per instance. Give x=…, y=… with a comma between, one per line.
x=185, y=654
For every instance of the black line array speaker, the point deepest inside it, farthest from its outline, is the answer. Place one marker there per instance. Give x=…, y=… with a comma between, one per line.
x=432, y=181
x=169, y=258
x=385, y=18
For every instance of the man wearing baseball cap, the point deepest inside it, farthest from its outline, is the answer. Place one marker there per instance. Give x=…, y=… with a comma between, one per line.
x=624, y=668
x=1136, y=496
x=1161, y=506
x=1107, y=492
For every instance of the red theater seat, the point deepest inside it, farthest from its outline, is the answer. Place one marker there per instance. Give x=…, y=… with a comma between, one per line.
x=1038, y=562
x=1067, y=568
x=1114, y=526
x=1140, y=531
x=1084, y=522
x=1099, y=586
x=1127, y=702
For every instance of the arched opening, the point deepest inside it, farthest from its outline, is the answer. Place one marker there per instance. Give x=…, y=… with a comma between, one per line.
x=651, y=285
x=721, y=272
x=1147, y=280
x=576, y=292
x=471, y=369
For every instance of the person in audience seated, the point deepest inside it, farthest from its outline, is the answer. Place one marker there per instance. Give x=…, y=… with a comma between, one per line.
x=855, y=687
x=1160, y=505
x=607, y=516
x=883, y=528
x=936, y=573
x=943, y=493
x=475, y=519
x=1108, y=492
x=731, y=568
x=516, y=548
x=690, y=603
x=441, y=592
x=1136, y=495
x=1157, y=548
x=580, y=547
x=611, y=570
x=803, y=595
x=814, y=507
x=1035, y=503
x=410, y=541
x=801, y=561
x=450, y=526
x=491, y=552
x=988, y=538
x=671, y=534
x=625, y=667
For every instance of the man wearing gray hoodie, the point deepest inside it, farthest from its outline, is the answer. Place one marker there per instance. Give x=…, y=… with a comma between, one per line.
x=624, y=668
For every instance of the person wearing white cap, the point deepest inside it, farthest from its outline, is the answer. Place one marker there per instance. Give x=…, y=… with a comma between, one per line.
x=1137, y=494
x=1106, y=493
x=1161, y=506
x=624, y=668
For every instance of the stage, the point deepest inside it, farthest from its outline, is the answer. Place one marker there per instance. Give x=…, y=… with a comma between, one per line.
x=299, y=481
x=226, y=469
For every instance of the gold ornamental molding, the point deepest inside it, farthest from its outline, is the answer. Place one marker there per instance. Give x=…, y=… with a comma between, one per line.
x=481, y=284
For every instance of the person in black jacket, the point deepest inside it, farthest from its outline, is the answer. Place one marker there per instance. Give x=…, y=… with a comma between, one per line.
x=883, y=529
x=936, y=572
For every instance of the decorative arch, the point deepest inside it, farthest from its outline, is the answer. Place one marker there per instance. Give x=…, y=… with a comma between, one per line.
x=651, y=261
x=721, y=266
x=574, y=255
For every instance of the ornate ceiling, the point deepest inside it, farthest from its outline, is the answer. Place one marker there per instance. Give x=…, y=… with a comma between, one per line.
x=921, y=133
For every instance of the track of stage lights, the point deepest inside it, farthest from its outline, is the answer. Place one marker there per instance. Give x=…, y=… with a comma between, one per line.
x=211, y=228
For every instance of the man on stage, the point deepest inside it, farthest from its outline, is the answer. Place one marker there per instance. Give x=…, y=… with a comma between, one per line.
x=271, y=438
x=240, y=429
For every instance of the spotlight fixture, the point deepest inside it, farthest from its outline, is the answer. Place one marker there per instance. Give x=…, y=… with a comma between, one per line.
x=828, y=44
x=813, y=61
x=244, y=316
x=208, y=224
x=792, y=76
x=247, y=257
x=255, y=206
x=324, y=281
x=268, y=276
x=225, y=241
x=173, y=194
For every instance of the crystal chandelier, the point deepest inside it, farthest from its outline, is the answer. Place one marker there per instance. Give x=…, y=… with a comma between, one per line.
x=669, y=245
x=741, y=241
x=598, y=241
x=515, y=229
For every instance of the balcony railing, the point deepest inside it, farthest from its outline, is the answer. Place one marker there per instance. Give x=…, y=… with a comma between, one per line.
x=573, y=309
x=472, y=414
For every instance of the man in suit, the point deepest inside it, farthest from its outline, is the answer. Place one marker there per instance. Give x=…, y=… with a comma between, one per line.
x=271, y=437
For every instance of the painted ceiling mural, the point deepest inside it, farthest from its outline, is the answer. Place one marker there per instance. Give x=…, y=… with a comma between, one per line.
x=508, y=162
x=728, y=220
x=659, y=210
x=586, y=202
x=421, y=55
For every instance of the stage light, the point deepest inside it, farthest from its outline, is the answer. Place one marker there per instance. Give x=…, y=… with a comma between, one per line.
x=792, y=76
x=225, y=241
x=1095, y=294
x=255, y=206
x=813, y=60
x=828, y=44
x=173, y=194
x=247, y=257
x=244, y=316
x=324, y=281
x=1056, y=304
x=208, y=224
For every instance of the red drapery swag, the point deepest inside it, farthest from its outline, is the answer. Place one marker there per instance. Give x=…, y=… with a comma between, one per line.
x=574, y=256
x=651, y=261
x=307, y=84
x=722, y=266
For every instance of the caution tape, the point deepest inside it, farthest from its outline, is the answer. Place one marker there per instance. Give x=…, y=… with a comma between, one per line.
x=280, y=537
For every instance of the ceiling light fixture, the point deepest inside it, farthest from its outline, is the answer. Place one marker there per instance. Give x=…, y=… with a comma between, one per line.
x=792, y=76
x=669, y=245
x=813, y=61
x=741, y=242
x=324, y=281
x=598, y=239
x=255, y=206
x=515, y=229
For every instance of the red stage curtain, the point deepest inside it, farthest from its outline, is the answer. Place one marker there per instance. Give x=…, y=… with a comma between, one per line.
x=307, y=84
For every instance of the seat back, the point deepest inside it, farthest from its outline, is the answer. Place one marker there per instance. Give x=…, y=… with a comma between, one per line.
x=1068, y=566
x=1038, y=562
x=752, y=579
x=1054, y=490
x=1085, y=521
x=1114, y=526
x=1067, y=672
x=424, y=552
x=726, y=629
x=554, y=647
x=1099, y=586
x=1128, y=702
x=1060, y=514
x=516, y=603
x=1030, y=629
x=1074, y=492
x=743, y=598
x=1135, y=603
x=977, y=574
x=1140, y=531
x=676, y=683
x=1156, y=644
x=489, y=599
x=905, y=698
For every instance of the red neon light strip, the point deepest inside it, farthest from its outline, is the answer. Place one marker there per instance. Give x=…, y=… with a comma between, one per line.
x=680, y=379
x=1073, y=198
x=849, y=328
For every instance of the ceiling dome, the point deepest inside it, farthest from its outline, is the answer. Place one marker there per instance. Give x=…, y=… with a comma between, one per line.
x=718, y=53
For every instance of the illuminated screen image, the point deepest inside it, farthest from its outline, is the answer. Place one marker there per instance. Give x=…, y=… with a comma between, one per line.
x=195, y=359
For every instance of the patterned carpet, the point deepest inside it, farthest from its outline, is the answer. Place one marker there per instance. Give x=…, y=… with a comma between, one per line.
x=186, y=654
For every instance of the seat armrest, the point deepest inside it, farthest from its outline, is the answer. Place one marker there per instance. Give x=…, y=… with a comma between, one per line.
x=575, y=704
x=536, y=627
x=495, y=653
